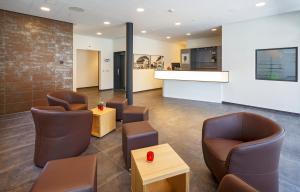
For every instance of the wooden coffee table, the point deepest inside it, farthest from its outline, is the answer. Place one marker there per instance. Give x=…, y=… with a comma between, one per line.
x=103, y=121
x=168, y=172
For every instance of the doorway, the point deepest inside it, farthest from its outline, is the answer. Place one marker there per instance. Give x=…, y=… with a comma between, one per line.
x=119, y=70
x=87, y=71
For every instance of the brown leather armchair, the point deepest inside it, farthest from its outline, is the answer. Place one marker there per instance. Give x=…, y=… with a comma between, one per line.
x=70, y=100
x=244, y=144
x=231, y=183
x=60, y=133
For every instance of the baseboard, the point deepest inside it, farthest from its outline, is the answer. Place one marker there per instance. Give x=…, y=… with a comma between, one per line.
x=87, y=87
x=147, y=90
x=262, y=108
x=106, y=89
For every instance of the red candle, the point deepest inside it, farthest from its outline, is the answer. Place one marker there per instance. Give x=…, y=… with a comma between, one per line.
x=150, y=156
x=100, y=107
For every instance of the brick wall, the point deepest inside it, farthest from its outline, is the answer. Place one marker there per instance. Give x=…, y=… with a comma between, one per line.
x=31, y=49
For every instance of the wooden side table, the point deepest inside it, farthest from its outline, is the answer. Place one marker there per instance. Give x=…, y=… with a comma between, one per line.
x=168, y=172
x=103, y=121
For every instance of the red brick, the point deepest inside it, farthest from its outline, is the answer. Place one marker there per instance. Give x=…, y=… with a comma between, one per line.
x=2, y=109
x=29, y=60
x=40, y=102
x=17, y=97
x=12, y=87
x=18, y=107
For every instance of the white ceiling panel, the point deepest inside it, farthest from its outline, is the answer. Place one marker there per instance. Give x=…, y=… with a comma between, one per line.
x=197, y=16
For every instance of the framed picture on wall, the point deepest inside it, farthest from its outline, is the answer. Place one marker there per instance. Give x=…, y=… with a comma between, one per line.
x=185, y=58
x=157, y=62
x=277, y=64
x=141, y=61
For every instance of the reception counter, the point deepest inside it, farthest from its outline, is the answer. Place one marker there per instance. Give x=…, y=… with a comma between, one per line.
x=193, y=85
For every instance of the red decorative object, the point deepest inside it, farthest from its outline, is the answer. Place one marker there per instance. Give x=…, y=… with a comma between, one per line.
x=150, y=156
x=100, y=107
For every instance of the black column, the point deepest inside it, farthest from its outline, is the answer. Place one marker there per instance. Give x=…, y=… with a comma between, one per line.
x=129, y=62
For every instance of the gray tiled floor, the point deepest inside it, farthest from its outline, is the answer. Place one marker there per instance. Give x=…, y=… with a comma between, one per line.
x=179, y=123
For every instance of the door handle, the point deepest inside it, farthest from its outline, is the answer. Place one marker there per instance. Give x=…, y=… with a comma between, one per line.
x=118, y=72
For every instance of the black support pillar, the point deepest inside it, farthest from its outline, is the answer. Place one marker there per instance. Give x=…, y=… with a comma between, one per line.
x=129, y=62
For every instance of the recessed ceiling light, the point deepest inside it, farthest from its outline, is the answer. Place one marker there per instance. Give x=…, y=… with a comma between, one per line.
x=171, y=10
x=168, y=37
x=214, y=29
x=188, y=34
x=106, y=23
x=76, y=9
x=99, y=33
x=45, y=8
x=144, y=31
x=260, y=4
x=140, y=9
x=177, y=23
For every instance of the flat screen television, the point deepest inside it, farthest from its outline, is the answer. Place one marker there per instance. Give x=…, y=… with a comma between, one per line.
x=278, y=64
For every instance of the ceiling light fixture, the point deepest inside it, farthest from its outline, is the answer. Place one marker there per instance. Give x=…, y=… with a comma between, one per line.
x=106, y=23
x=143, y=31
x=140, y=9
x=168, y=37
x=171, y=10
x=45, y=9
x=214, y=29
x=76, y=9
x=260, y=4
x=177, y=23
x=99, y=33
x=188, y=34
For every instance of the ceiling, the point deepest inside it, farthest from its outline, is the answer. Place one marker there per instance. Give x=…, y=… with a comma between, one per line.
x=196, y=16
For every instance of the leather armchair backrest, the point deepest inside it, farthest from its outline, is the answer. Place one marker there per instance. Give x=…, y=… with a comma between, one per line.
x=257, y=127
x=64, y=95
x=60, y=133
x=226, y=126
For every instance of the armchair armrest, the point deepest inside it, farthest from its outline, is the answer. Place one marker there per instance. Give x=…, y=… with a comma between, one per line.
x=53, y=101
x=256, y=157
x=233, y=183
x=226, y=127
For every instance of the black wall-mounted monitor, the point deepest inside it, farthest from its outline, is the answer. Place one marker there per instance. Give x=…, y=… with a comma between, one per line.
x=278, y=64
x=175, y=66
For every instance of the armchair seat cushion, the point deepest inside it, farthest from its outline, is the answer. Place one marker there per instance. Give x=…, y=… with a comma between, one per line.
x=220, y=148
x=216, y=152
x=77, y=107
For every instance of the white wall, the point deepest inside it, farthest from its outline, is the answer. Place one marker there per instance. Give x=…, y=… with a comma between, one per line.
x=239, y=43
x=105, y=46
x=142, y=45
x=87, y=68
x=204, y=42
x=144, y=79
